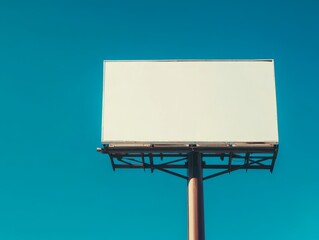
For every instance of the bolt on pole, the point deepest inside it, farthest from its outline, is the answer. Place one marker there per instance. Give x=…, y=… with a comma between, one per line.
x=196, y=228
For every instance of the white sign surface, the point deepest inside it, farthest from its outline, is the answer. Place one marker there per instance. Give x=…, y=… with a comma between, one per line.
x=218, y=101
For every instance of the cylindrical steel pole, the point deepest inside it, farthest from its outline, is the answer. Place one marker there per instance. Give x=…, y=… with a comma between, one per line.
x=196, y=229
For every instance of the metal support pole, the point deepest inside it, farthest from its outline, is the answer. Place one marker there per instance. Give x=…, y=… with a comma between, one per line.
x=196, y=229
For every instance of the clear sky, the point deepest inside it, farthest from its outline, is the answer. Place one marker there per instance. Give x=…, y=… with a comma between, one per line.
x=54, y=185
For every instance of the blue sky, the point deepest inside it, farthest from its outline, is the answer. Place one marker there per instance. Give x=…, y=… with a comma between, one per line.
x=53, y=184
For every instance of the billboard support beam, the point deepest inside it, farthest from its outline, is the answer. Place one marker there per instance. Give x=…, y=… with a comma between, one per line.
x=196, y=160
x=196, y=229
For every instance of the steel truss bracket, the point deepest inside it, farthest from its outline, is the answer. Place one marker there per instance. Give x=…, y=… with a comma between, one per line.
x=173, y=160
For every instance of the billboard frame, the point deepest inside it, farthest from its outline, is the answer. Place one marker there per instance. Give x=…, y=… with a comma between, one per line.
x=109, y=123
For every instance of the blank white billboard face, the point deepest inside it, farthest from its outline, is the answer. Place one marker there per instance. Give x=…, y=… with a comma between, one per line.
x=189, y=102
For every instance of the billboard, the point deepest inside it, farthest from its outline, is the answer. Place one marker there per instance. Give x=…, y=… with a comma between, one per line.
x=189, y=102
